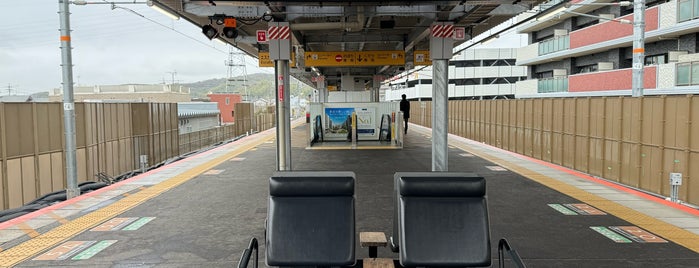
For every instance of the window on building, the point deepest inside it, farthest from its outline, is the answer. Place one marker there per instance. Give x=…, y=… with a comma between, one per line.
x=587, y=68
x=687, y=74
x=464, y=82
x=655, y=59
x=586, y=24
x=228, y=100
x=547, y=74
x=467, y=63
x=687, y=10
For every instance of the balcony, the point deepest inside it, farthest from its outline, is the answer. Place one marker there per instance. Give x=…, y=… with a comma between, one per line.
x=611, y=30
x=610, y=80
x=554, y=45
x=556, y=84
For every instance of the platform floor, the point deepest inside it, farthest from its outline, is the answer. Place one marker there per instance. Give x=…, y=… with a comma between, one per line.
x=202, y=211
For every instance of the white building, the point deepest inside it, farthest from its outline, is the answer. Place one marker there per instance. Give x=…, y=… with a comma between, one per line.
x=475, y=73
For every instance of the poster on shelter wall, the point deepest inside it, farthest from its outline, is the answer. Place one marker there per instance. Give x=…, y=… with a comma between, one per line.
x=338, y=123
x=366, y=125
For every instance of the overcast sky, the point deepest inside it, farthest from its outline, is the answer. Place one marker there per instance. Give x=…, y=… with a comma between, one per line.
x=109, y=47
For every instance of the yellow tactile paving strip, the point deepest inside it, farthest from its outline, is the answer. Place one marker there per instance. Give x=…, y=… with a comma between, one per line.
x=42, y=242
x=668, y=231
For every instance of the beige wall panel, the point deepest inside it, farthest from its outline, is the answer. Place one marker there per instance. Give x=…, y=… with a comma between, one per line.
x=80, y=127
x=29, y=179
x=597, y=117
x=3, y=193
x=49, y=128
x=110, y=162
x=631, y=119
x=451, y=115
x=16, y=129
x=613, y=117
x=612, y=160
x=546, y=140
x=630, y=166
x=45, y=173
x=652, y=120
x=124, y=121
x=537, y=113
x=694, y=131
x=90, y=131
x=14, y=183
x=508, y=126
x=56, y=127
x=519, y=123
x=462, y=116
x=677, y=122
x=582, y=116
x=511, y=130
x=569, y=150
x=651, y=168
x=498, y=123
x=556, y=149
x=493, y=122
x=80, y=158
x=582, y=153
x=140, y=117
x=547, y=115
x=483, y=121
x=569, y=116
x=57, y=171
x=540, y=145
x=596, y=157
x=691, y=181
x=176, y=140
x=558, y=112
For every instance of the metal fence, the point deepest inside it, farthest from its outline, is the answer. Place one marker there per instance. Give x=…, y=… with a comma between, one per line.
x=634, y=141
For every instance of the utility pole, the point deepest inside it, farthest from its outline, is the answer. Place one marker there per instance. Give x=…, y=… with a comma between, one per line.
x=173, y=73
x=236, y=71
x=68, y=103
x=639, y=28
x=9, y=89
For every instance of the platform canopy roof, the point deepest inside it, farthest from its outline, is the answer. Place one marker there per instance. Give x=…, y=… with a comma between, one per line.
x=346, y=26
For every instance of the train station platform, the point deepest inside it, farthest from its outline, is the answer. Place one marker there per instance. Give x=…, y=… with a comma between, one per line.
x=203, y=210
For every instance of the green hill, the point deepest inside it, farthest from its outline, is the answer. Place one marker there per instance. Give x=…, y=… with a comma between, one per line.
x=260, y=85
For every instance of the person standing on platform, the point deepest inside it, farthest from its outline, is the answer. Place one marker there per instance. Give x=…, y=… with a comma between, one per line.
x=405, y=108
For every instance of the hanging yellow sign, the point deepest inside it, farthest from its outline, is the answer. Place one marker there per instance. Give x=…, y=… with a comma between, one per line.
x=264, y=61
x=421, y=57
x=354, y=58
x=332, y=88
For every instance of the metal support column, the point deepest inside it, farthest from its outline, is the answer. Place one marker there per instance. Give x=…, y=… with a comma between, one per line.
x=639, y=28
x=283, y=115
x=441, y=46
x=376, y=87
x=440, y=107
x=280, y=52
x=321, y=91
x=72, y=189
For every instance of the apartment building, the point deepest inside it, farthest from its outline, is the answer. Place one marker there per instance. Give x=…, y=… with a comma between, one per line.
x=583, y=49
x=474, y=73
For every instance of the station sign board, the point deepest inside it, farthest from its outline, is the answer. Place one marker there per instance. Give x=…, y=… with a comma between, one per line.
x=264, y=60
x=421, y=57
x=354, y=58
